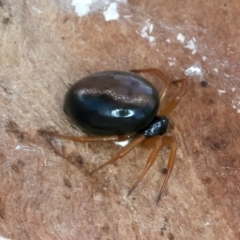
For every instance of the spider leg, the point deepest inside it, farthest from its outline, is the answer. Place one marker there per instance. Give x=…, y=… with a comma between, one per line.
x=123, y=152
x=174, y=102
x=157, y=72
x=168, y=141
x=88, y=138
x=157, y=141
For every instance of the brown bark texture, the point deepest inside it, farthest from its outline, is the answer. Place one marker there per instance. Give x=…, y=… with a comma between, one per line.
x=46, y=189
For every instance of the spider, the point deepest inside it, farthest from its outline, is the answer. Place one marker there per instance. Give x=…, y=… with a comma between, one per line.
x=116, y=106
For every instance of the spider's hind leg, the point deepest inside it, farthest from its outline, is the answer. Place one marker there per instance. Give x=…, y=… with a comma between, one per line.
x=175, y=101
x=160, y=74
x=168, y=141
x=157, y=143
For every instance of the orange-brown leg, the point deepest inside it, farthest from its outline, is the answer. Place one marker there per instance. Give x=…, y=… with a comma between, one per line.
x=174, y=102
x=168, y=141
x=88, y=138
x=123, y=152
x=156, y=71
x=139, y=139
x=159, y=142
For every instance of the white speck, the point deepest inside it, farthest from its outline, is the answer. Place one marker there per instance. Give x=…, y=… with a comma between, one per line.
x=238, y=111
x=37, y=10
x=171, y=61
x=3, y=238
x=146, y=31
x=221, y=91
x=168, y=40
x=181, y=38
x=234, y=107
x=193, y=70
x=233, y=89
x=190, y=45
x=151, y=39
x=207, y=224
x=194, y=51
x=215, y=70
x=122, y=143
x=194, y=39
x=150, y=28
x=226, y=75
x=144, y=35
x=25, y=148
x=98, y=197
x=204, y=58
x=82, y=7
x=111, y=12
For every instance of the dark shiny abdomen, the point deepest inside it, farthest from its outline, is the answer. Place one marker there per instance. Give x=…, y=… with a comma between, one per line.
x=112, y=102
